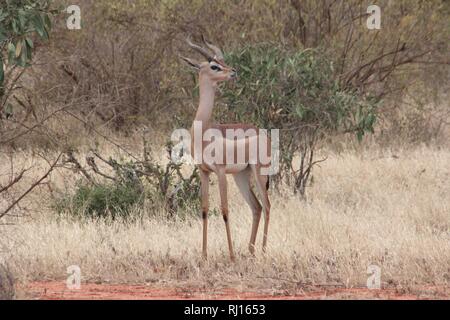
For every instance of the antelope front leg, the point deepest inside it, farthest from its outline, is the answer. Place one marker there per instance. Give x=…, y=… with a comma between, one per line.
x=223, y=189
x=204, y=185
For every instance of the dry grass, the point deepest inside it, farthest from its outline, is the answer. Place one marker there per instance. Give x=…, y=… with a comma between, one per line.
x=7, y=291
x=373, y=207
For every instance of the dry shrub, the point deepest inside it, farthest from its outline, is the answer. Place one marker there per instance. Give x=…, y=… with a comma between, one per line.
x=7, y=290
x=111, y=67
x=121, y=70
x=414, y=120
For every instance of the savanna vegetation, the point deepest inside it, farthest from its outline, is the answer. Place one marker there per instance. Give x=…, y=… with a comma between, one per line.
x=86, y=117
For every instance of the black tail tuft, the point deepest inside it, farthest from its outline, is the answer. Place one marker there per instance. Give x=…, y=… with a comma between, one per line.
x=267, y=183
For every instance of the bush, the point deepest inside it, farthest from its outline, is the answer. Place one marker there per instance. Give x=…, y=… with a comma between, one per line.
x=291, y=90
x=133, y=181
x=19, y=21
x=298, y=93
x=101, y=200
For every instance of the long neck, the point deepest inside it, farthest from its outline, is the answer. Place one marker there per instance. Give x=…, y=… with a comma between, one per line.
x=206, y=104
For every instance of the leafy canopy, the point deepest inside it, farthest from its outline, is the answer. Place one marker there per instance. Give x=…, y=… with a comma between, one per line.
x=288, y=90
x=20, y=20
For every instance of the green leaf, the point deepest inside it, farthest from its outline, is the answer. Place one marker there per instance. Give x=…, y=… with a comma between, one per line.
x=47, y=22
x=245, y=68
x=3, y=15
x=29, y=54
x=29, y=43
x=24, y=54
x=22, y=19
x=11, y=53
x=370, y=120
x=2, y=37
x=19, y=48
x=39, y=26
x=300, y=111
x=359, y=135
x=15, y=27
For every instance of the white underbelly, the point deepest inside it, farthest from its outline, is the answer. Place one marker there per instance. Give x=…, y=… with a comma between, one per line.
x=234, y=168
x=229, y=168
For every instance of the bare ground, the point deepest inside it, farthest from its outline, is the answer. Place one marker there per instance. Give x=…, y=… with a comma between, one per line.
x=54, y=290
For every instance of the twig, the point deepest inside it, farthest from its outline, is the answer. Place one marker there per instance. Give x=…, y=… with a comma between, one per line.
x=78, y=166
x=101, y=135
x=91, y=162
x=31, y=188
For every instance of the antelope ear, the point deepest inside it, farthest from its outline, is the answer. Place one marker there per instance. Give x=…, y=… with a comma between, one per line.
x=191, y=62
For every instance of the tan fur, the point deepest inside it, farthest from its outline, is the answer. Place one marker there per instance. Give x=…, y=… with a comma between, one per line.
x=242, y=172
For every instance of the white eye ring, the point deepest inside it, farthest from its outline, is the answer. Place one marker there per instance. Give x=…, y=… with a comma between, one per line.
x=215, y=68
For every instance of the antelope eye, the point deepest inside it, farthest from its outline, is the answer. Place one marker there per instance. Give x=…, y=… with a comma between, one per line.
x=215, y=68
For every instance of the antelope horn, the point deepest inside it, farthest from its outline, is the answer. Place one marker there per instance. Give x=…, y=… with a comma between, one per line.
x=201, y=50
x=216, y=50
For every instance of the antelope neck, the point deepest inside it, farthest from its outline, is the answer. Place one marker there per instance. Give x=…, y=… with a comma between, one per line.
x=206, y=104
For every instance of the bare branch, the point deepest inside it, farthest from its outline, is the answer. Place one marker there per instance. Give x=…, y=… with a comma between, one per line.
x=31, y=188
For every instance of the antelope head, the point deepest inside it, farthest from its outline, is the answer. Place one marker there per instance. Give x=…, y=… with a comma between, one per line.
x=214, y=68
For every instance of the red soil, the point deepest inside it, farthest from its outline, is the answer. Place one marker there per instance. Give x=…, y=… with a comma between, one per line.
x=57, y=290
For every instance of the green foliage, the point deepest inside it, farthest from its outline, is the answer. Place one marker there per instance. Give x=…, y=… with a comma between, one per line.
x=298, y=93
x=20, y=20
x=101, y=200
x=164, y=188
x=288, y=90
x=178, y=194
